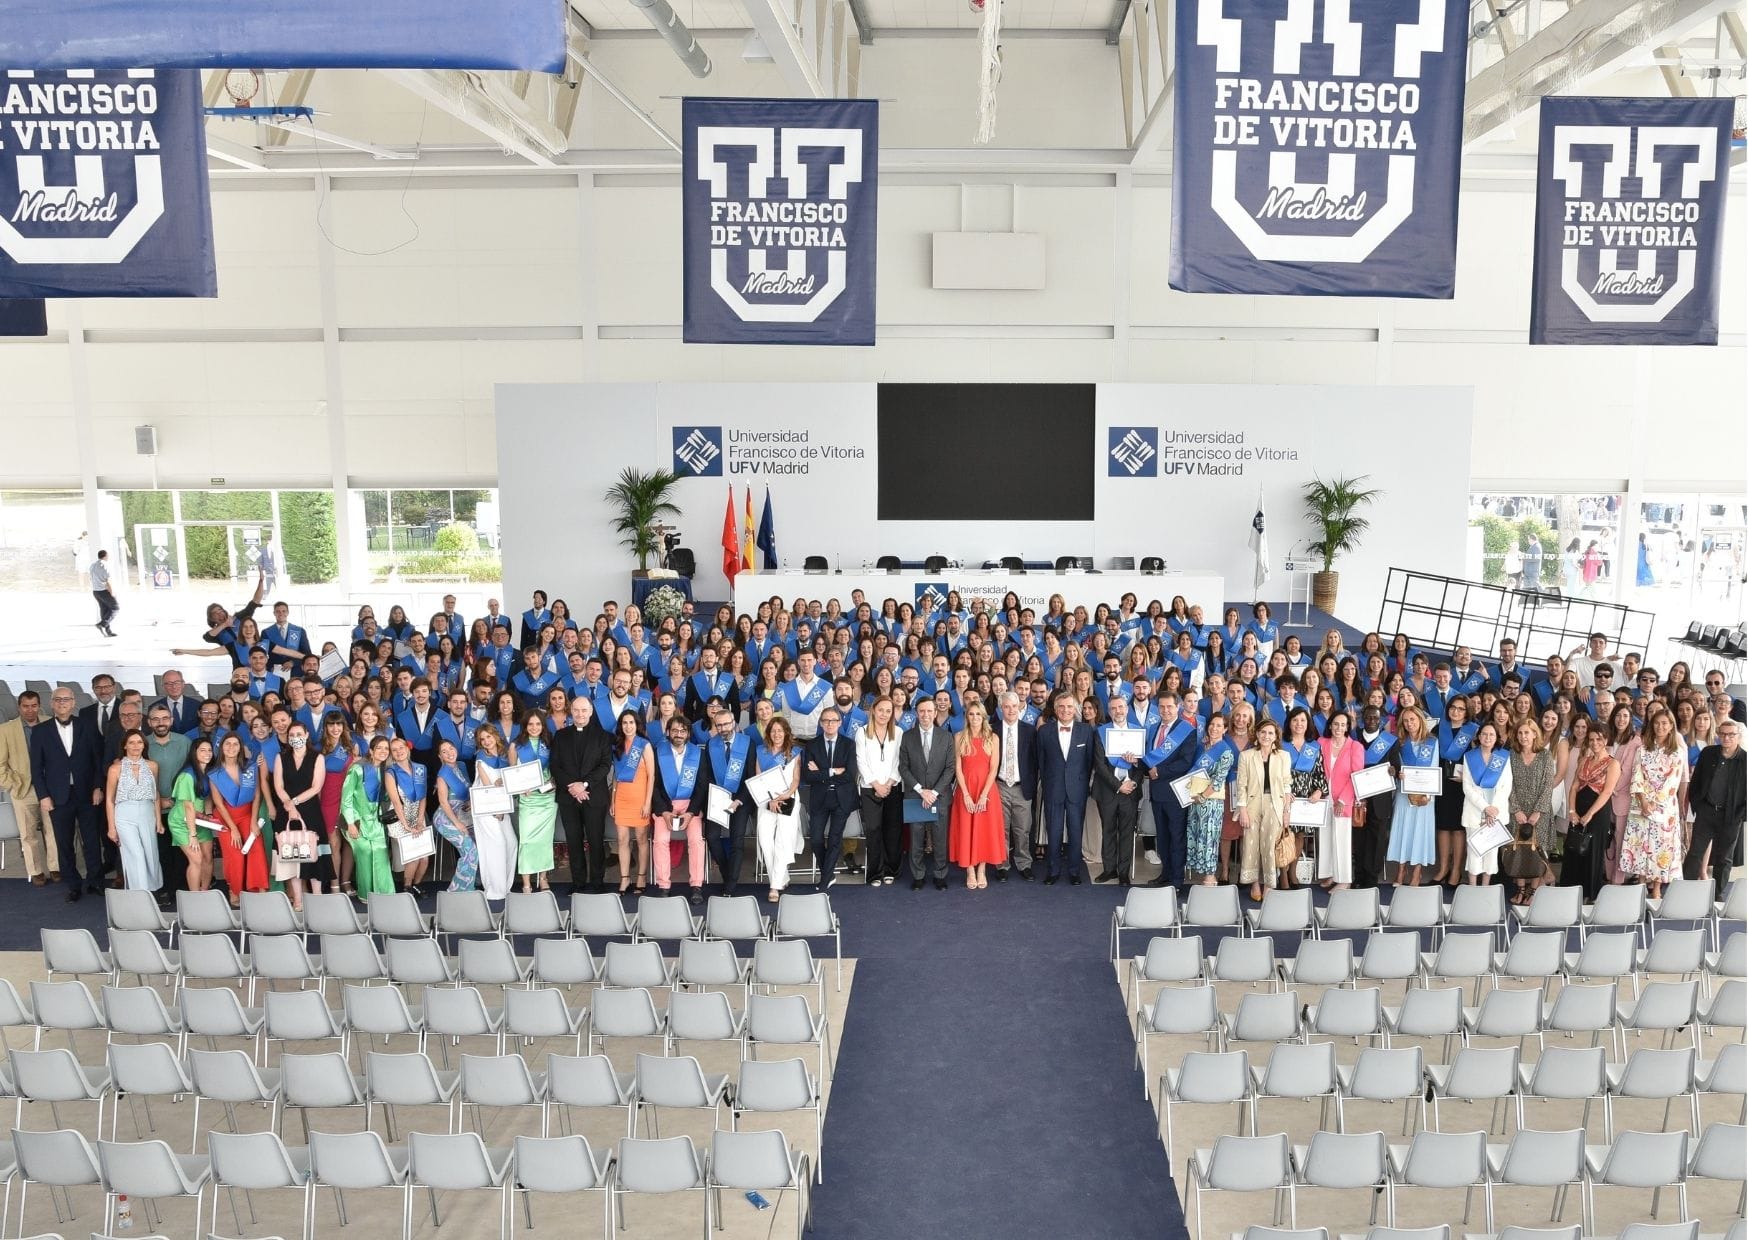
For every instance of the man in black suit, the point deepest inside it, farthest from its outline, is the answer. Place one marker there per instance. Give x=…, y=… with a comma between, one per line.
x=925, y=768
x=582, y=756
x=66, y=770
x=182, y=702
x=727, y=761
x=1016, y=782
x=1065, y=758
x=828, y=766
x=1117, y=779
x=1174, y=751
x=101, y=713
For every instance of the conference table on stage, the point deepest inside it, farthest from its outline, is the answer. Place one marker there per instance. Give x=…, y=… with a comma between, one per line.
x=1078, y=589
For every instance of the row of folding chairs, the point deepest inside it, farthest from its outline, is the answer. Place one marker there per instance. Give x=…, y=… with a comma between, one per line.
x=1386, y=956
x=1631, y=1231
x=1296, y=1072
x=465, y=914
x=1625, y=907
x=1533, y=1159
x=1666, y=1008
x=149, y=1171
x=347, y=958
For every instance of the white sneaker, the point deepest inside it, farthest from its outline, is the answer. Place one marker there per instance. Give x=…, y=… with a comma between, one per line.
x=1151, y=857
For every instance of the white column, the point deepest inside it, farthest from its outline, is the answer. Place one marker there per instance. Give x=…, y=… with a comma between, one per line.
x=340, y=474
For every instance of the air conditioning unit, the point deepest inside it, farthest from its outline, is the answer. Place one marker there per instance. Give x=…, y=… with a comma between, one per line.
x=146, y=441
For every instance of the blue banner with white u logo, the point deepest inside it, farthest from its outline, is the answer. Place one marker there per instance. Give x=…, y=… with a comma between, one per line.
x=1630, y=200
x=1317, y=147
x=103, y=188
x=778, y=212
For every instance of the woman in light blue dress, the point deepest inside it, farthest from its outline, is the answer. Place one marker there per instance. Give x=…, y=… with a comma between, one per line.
x=133, y=813
x=1412, y=828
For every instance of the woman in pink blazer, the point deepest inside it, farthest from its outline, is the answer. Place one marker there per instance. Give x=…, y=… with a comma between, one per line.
x=1342, y=756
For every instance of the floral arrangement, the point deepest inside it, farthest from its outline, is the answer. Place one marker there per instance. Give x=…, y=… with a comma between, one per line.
x=663, y=603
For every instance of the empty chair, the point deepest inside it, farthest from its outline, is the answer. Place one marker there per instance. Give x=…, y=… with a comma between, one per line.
x=134, y=909
x=1427, y=1014
x=623, y=1014
x=777, y=1087
x=586, y=1081
x=66, y=1006
x=1212, y=908
x=1611, y=957
x=395, y=914
x=1477, y=908
x=143, y=1071
x=353, y=1162
x=563, y=962
x=1263, y=1018
x=534, y=913
x=1728, y=1008
x=332, y=912
x=1442, y=1160
x=561, y=1165
x=420, y=962
x=1415, y=908
x=456, y=1012
x=1566, y=1074
x=786, y=1020
x=1716, y=1156
x=139, y=952
x=601, y=915
x=1168, y=959
x=1343, y=1013
x=299, y=1016
x=1477, y=1074
x=1507, y=1014
x=205, y=912
x=491, y=962
x=1143, y=908
x=1616, y=908
x=702, y=1016
x=779, y=962
x=322, y=1082
x=1733, y=907
x=1654, y=1074
x=1550, y=908
x=149, y=1171
x=1684, y=900
x=1238, y=959
x=1665, y=1007
x=1732, y=960
x=352, y=958
x=1640, y=1160
x=270, y=912
x=675, y=1082
x=1190, y=1010
x=212, y=958
x=1352, y=908
x=1464, y=957
x=666, y=919
x=137, y=1011
x=736, y=918
x=636, y=965
x=15, y=1011
x=1537, y=1159
x=1345, y=1161
x=531, y=1014
x=809, y=916
x=1282, y=912
x=408, y=1080
x=1238, y=1164
x=75, y=953
x=1678, y=952
x=254, y=1162
x=1727, y=1074
x=762, y=1162
x=651, y=1166
x=1533, y=954
x=1673, y=1231
x=63, y=1159
x=457, y=1162
x=54, y=1077
x=712, y=962
x=1380, y=1074
x=466, y=912
x=1320, y=962
x=1391, y=955
x=231, y=1079
x=1210, y=1078
x=382, y=1012
x=1297, y=1072
x=282, y=958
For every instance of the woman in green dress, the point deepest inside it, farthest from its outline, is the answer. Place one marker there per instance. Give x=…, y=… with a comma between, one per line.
x=536, y=812
x=187, y=799
x=361, y=802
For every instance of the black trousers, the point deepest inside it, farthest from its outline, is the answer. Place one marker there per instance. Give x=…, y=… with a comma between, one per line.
x=77, y=819
x=1371, y=843
x=1118, y=815
x=728, y=844
x=585, y=833
x=106, y=606
x=825, y=833
x=1710, y=828
x=883, y=833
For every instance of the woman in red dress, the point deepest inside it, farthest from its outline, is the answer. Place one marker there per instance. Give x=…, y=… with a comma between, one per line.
x=975, y=835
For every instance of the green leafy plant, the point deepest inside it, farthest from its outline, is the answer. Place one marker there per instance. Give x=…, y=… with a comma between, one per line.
x=1333, y=507
x=306, y=523
x=641, y=500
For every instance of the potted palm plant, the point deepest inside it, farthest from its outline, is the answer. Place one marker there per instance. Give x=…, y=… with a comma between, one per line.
x=1333, y=508
x=640, y=501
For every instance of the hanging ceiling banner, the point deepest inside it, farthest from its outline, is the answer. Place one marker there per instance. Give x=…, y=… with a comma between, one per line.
x=1630, y=200
x=308, y=34
x=1318, y=146
x=103, y=187
x=778, y=220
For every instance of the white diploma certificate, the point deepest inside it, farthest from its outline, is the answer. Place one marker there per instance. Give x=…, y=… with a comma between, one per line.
x=491, y=799
x=716, y=802
x=1125, y=741
x=769, y=785
x=1373, y=780
x=1180, y=788
x=1425, y=780
x=522, y=777
x=1303, y=813
x=333, y=664
x=1492, y=835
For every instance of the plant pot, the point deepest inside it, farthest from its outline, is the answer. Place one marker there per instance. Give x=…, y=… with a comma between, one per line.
x=640, y=573
x=1324, y=587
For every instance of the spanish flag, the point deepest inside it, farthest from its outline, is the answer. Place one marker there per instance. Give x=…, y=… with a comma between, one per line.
x=749, y=533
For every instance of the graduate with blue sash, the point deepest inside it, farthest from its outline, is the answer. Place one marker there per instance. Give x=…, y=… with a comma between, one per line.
x=1483, y=772
x=804, y=702
x=677, y=783
x=1175, y=748
x=534, y=618
x=1413, y=830
x=726, y=755
x=531, y=686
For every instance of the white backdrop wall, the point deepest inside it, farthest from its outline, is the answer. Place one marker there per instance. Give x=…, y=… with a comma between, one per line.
x=824, y=503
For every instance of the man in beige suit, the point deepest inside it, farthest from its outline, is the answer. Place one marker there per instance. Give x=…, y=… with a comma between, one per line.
x=15, y=778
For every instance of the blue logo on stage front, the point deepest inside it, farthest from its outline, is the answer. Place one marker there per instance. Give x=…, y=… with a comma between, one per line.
x=698, y=451
x=931, y=596
x=1134, y=452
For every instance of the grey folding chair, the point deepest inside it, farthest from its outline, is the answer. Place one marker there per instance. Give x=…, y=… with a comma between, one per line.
x=1464, y=957
x=1564, y=1074
x=1298, y=1072
x=1733, y=907
x=1666, y=1007
x=148, y=1171
x=1718, y=1156
x=1550, y=908
x=787, y=1020
x=703, y=1016
x=1345, y=1162
x=139, y=952
x=382, y=1012
x=1206, y=1078
x=1244, y=960
x=1427, y=1014
x=1637, y=1160
x=675, y=1082
x=1388, y=1075
x=323, y=1082
x=332, y=912
x=1442, y=1161
x=586, y=1082
x=270, y=912
x=255, y=1162
x=458, y=1162
x=1727, y=1074
x=491, y=962
x=1147, y=909
x=1169, y=959
x=206, y=912
x=561, y=1165
x=54, y=1077
x=534, y=913
x=623, y=1014
x=62, y=1159
x=784, y=962
x=735, y=918
x=712, y=962
x=75, y=953
x=1212, y=908
x=1477, y=908
x=408, y=1080
x=1677, y=953
x=531, y=1014
x=1264, y=1018
x=1533, y=955
x=1582, y=1009
x=1618, y=908
x=1667, y=1231
x=212, y=958
x=1611, y=956
x=658, y=1167
x=231, y=1079
x=636, y=965
x=216, y=1012
x=1477, y=1074
x=456, y=1012
x=65, y=1006
x=282, y=958
x=395, y=914
x=1683, y=899
x=126, y=908
x=15, y=1011
x=143, y=1071
x=352, y=958
x=778, y=1087
x=1391, y=955
x=600, y=915
x=761, y=1162
x=1415, y=908
x=1507, y=1014
x=1537, y=1159
x=300, y=1016
x=500, y=1081
x=419, y=962
x=1282, y=912
x=666, y=919
x=1320, y=962
x=353, y=1162
x=1652, y=1074
x=1351, y=908
x=1343, y=1013
x=1180, y=1012
x=466, y=912
x=809, y=916
x=1731, y=960
x=1244, y=1165
x=563, y=962
x=1728, y=1008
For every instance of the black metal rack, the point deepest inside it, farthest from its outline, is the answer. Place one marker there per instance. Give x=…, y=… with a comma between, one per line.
x=1442, y=613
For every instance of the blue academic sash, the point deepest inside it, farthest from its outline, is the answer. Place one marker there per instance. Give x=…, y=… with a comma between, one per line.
x=531, y=752
x=231, y=791
x=371, y=781
x=906, y=720
x=855, y=719
x=1453, y=745
x=1486, y=774
x=458, y=734
x=1165, y=746
x=711, y=685
x=460, y=790
x=534, y=619
x=625, y=766
x=1147, y=720
x=1304, y=756
x=679, y=776
x=408, y=724
x=1434, y=700
x=267, y=682
x=729, y=762
x=1469, y=682
x=1378, y=748
x=1419, y=753
x=1117, y=765
x=410, y=782
x=805, y=704
x=1210, y=757
x=504, y=660
x=533, y=688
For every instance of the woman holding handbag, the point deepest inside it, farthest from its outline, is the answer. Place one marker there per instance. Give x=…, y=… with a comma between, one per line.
x=298, y=825
x=1342, y=756
x=1260, y=797
x=1595, y=776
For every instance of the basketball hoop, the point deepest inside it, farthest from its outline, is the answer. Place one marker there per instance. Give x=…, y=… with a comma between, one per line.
x=242, y=85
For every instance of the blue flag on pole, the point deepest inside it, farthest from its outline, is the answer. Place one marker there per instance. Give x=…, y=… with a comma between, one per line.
x=768, y=535
x=1318, y=146
x=1630, y=197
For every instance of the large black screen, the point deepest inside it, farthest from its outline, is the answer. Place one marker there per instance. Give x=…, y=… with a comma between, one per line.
x=986, y=451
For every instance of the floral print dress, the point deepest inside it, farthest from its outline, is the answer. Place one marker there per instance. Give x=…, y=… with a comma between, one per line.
x=1651, y=841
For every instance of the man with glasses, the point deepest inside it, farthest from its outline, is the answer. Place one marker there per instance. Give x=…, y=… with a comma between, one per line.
x=1718, y=793
x=727, y=759
x=1715, y=689
x=66, y=757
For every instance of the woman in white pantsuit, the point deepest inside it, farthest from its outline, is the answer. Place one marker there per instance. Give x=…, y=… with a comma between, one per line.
x=1485, y=772
x=779, y=832
x=492, y=833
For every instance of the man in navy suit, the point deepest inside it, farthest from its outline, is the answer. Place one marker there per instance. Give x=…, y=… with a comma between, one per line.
x=1174, y=752
x=1065, y=753
x=66, y=760
x=1016, y=782
x=828, y=766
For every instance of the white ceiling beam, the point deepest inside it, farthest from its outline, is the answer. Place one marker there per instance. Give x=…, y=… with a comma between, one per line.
x=234, y=153
x=487, y=103
x=775, y=24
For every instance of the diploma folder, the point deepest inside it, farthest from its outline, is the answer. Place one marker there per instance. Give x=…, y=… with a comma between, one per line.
x=916, y=811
